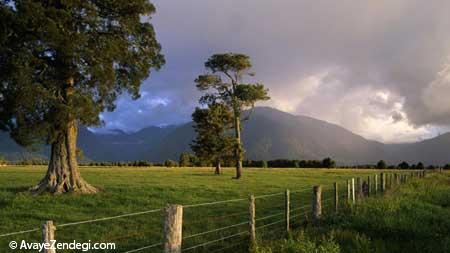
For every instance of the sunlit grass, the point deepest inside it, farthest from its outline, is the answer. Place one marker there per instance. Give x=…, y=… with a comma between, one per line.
x=414, y=217
x=127, y=190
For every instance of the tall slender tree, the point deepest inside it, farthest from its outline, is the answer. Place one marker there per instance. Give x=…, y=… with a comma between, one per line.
x=213, y=143
x=224, y=83
x=62, y=63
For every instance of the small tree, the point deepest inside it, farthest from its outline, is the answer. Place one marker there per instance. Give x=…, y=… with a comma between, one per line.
x=187, y=160
x=213, y=143
x=381, y=165
x=170, y=163
x=420, y=166
x=224, y=84
x=403, y=165
x=328, y=163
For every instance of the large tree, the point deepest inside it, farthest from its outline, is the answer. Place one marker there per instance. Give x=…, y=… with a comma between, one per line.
x=224, y=84
x=213, y=143
x=62, y=63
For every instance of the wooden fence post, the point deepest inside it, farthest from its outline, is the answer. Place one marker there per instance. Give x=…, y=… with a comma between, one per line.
x=353, y=191
x=369, y=185
x=383, y=182
x=336, y=197
x=360, y=189
x=173, y=226
x=317, y=203
x=252, y=221
x=48, y=235
x=376, y=184
x=288, y=208
x=349, y=191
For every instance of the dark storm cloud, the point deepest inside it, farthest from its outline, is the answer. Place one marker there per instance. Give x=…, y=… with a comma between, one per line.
x=365, y=58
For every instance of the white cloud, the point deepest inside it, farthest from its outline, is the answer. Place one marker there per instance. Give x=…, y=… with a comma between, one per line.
x=289, y=101
x=373, y=113
x=436, y=96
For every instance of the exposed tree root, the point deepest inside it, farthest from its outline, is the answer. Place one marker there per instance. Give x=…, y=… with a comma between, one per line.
x=51, y=185
x=62, y=174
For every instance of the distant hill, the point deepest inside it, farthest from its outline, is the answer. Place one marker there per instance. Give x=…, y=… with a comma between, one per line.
x=431, y=151
x=269, y=134
x=272, y=134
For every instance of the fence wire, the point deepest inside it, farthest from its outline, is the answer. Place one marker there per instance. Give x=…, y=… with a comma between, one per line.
x=145, y=248
x=214, y=241
x=215, y=235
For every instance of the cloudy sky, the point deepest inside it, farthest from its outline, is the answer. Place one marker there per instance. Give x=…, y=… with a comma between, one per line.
x=380, y=68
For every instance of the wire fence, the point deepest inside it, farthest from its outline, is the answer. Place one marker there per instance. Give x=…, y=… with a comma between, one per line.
x=217, y=226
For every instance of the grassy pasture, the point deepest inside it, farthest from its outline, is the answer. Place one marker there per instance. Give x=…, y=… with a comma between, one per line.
x=128, y=190
x=412, y=218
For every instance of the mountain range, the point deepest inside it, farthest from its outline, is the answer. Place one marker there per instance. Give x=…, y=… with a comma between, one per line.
x=268, y=134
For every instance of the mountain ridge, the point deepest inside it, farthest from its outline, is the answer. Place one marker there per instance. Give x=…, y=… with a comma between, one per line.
x=269, y=134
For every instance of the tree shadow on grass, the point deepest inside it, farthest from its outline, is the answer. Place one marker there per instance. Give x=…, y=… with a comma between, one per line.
x=15, y=190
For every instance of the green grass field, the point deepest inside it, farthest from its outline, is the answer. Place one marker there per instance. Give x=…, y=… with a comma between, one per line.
x=129, y=190
x=412, y=218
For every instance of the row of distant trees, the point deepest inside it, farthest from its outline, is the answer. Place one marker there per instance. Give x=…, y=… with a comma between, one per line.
x=405, y=166
x=190, y=160
x=286, y=163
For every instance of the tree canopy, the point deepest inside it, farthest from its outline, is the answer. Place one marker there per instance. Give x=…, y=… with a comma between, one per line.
x=381, y=165
x=328, y=163
x=223, y=84
x=403, y=165
x=70, y=59
x=62, y=63
x=213, y=143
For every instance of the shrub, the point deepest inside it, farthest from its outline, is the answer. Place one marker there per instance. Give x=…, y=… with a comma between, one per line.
x=403, y=165
x=187, y=160
x=170, y=163
x=381, y=165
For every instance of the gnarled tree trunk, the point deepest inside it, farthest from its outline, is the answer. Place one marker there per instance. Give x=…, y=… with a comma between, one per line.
x=62, y=174
x=238, y=148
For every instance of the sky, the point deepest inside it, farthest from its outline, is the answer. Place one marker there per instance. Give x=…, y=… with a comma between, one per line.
x=379, y=68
